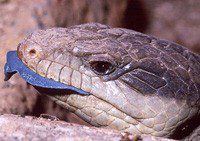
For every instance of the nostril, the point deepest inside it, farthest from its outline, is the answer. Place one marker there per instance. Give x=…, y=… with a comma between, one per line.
x=32, y=52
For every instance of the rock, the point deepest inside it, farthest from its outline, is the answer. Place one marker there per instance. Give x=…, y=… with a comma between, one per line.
x=31, y=128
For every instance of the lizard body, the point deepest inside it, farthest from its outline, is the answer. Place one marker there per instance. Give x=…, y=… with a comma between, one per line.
x=137, y=83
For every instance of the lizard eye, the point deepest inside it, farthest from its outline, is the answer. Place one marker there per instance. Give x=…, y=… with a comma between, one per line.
x=102, y=67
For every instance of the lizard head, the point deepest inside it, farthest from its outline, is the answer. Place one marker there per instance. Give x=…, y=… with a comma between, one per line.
x=134, y=84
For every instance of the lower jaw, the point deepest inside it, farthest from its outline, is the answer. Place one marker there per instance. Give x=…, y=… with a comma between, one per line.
x=102, y=114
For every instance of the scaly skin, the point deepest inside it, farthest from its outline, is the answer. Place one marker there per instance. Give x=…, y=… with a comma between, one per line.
x=153, y=86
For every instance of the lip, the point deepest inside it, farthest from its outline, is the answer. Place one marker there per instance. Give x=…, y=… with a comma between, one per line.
x=15, y=65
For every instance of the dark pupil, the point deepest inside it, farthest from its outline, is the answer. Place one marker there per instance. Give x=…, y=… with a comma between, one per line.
x=101, y=67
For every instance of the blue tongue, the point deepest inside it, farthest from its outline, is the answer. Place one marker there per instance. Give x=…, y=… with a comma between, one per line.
x=15, y=65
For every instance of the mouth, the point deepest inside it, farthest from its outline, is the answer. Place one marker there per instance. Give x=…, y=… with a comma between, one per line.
x=15, y=65
x=77, y=100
